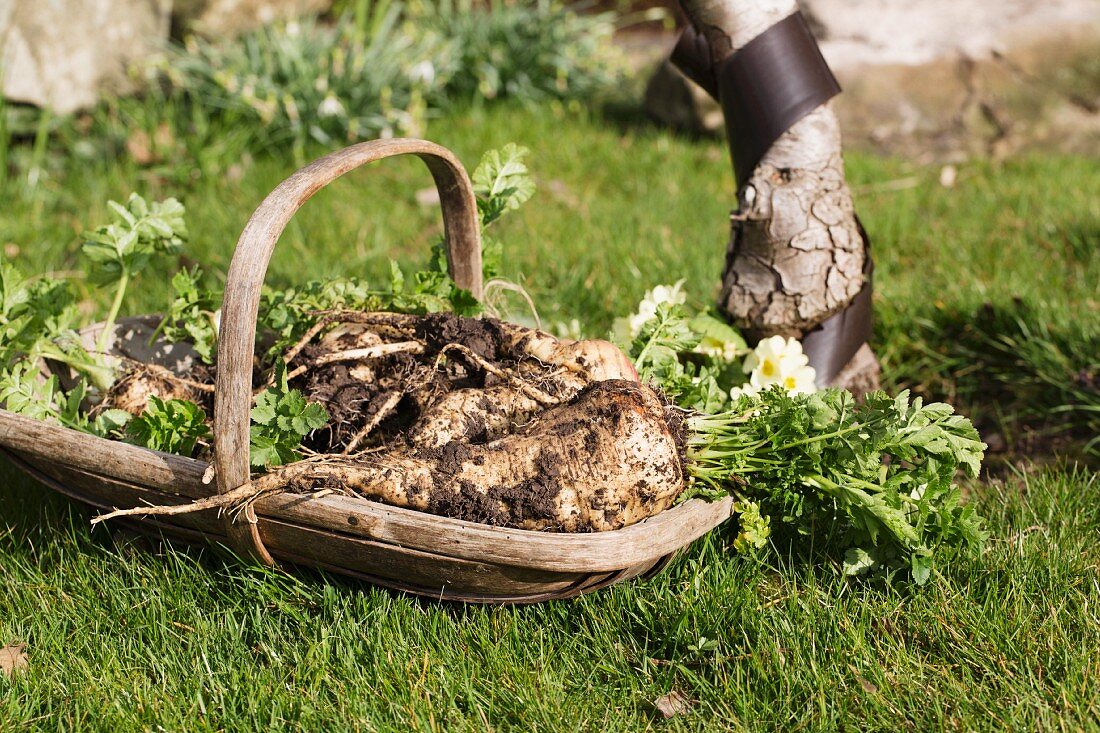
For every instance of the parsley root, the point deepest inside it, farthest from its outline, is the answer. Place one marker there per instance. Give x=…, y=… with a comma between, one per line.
x=132, y=392
x=606, y=459
x=469, y=418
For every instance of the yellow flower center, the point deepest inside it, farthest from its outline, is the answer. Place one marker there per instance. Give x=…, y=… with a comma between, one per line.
x=767, y=368
x=790, y=383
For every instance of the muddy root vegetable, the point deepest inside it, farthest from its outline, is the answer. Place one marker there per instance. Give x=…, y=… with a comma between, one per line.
x=605, y=460
x=473, y=415
x=475, y=419
x=595, y=359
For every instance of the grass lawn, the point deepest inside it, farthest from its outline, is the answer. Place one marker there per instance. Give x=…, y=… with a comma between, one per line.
x=123, y=638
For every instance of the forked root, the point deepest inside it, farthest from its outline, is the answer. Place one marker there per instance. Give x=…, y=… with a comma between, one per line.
x=380, y=414
x=370, y=352
x=404, y=322
x=243, y=495
x=236, y=499
x=171, y=376
x=308, y=336
x=543, y=398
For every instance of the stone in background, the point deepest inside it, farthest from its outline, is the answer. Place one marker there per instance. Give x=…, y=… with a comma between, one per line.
x=232, y=17
x=62, y=53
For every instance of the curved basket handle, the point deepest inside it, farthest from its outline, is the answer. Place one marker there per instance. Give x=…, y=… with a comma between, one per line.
x=240, y=305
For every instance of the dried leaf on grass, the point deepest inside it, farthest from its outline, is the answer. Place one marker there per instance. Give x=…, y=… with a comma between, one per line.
x=869, y=687
x=13, y=658
x=673, y=704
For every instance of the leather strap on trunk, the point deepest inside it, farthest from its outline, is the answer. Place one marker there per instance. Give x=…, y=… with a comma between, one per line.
x=691, y=55
x=771, y=83
x=831, y=344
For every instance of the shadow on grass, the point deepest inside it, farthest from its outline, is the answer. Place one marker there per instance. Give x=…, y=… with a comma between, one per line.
x=627, y=114
x=1029, y=385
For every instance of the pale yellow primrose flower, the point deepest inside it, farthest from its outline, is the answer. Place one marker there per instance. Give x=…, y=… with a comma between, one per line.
x=745, y=390
x=726, y=351
x=777, y=360
x=801, y=381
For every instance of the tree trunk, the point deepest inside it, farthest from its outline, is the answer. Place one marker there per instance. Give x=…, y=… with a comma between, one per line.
x=796, y=254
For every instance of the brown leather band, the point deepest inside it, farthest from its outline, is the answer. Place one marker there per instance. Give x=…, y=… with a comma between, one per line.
x=691, y=55
x=831, y=344
x=771, y=83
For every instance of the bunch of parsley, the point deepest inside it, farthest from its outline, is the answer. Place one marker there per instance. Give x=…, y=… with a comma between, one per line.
x=876, y=479
x=281, y=419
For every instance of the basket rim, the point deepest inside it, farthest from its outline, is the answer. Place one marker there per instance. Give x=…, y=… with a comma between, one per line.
x=654, y=537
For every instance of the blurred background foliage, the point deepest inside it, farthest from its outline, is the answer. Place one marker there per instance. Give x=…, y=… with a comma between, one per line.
x=367, y=69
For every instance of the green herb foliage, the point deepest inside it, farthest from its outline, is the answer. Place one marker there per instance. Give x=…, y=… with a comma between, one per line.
x=281, y=418
x=287, y=314
x=191, y=317
x=877, y=477
x=37, y=320
x=120, y=250
x=171, y=426
x=25, y=392
x=669, y=350
x=502, y=182
x=875, y=480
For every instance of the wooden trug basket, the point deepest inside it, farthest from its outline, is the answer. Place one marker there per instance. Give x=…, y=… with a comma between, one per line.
x=399, y=548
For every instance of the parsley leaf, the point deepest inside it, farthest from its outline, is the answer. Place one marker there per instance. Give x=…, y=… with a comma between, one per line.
x=281, y=418
x=25, y=392
x=120, y=250
x=171, y=426
x=191, y=316
x=502, y=182
x=37, y=320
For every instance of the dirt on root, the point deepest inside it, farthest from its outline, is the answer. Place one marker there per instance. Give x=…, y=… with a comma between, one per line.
x=354, y=392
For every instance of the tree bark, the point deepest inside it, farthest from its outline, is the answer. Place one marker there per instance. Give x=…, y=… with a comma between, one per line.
x=796, y=254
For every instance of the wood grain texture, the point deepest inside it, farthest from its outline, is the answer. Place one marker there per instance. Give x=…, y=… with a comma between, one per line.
x=107, y=457
x=557, y=551
x=80, y=460
x=236, y=341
